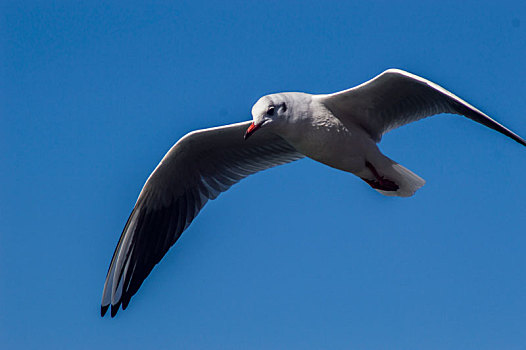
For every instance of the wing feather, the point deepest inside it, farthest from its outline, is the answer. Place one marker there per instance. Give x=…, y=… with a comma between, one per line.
x=197, y=168
x=395, y=98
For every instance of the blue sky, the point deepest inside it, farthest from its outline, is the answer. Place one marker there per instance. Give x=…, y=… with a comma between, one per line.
x=302, y=256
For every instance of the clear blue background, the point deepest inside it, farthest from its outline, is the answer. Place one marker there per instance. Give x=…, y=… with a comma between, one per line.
x=303, y=256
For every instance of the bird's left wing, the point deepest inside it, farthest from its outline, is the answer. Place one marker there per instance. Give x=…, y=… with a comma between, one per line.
x=395, y=98
x=197, y=168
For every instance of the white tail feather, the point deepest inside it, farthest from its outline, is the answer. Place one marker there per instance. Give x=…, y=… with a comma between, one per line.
x=407, y=181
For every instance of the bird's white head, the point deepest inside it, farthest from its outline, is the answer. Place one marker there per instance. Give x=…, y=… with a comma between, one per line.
x=269, y=111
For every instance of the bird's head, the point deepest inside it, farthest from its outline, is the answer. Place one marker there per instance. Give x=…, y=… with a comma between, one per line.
x=269, y=111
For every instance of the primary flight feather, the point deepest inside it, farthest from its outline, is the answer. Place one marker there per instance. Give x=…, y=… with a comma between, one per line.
x=340, y=130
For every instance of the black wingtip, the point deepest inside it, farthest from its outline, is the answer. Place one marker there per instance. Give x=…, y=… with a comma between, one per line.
x=125, y=302
x=114, y=309
x=103, y=310
x=513, y=136
x=521, y=141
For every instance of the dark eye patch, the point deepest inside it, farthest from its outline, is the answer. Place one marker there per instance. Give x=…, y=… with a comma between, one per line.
x=284, y=107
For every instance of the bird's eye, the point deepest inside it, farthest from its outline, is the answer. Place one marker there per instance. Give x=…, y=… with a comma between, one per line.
x=270, y=110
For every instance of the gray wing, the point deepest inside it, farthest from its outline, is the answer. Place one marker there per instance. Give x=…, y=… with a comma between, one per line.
x=395, y=98
x=197, y=168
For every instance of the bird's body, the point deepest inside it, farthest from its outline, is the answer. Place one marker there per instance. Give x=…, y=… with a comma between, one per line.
x=318, y=134
x=321, y=136
x=340, y=130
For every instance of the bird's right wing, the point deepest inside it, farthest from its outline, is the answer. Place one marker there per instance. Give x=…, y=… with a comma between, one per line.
x=395, y=98
x=197, y=168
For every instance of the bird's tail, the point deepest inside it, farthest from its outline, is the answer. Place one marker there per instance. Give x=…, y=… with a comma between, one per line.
x=388, y=177
x=406, y=181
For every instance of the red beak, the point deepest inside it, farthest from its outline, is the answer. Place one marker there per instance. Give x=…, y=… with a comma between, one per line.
x=251, y=129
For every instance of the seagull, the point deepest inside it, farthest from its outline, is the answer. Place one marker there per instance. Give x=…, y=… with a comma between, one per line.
x=340, y=130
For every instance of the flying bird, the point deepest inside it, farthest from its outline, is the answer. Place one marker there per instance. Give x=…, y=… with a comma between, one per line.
x=340, y=130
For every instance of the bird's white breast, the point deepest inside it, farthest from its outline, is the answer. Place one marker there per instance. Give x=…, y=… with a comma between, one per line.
x=321, y=136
